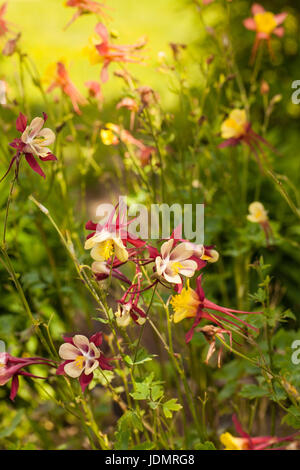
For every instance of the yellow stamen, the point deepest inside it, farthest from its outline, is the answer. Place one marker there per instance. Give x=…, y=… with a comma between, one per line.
x=79, y=362
x=185, y=304
x=265, y=22
x=235, y=126
x=257, y=213
x=106, y=249
x=176, y=266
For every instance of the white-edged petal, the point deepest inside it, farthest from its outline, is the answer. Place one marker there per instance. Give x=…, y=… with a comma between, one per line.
x=73, y=370
x=82, y=343
x=68, y=352
x=90, y=367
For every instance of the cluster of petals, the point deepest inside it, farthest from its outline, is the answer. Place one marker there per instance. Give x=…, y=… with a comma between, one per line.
x=246, y=442
x=33, y=143
x=112, y=134
x=110, y=240
x=128, y=305
x=190, y=303
x=259, y=215
x=108, y=52
x=82, y=356
x=236, y=129
x=264, y=23
x=58, y=77
x=85, y=6
x=12, y=367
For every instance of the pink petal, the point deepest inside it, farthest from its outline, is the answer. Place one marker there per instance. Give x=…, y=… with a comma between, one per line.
x=102, y=31
x=104, y=72
x=85, y=380
x=48, y=157
x=280, y=18
x=250, y=24
x=34, y=164
x=279, y=31
x=21, y=123
x=14, y=387
x=256, y=8
x=96, y=339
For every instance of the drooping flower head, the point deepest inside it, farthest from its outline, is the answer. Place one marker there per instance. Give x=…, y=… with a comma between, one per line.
x=128, y=305
x=106, y=52
x=236, y=129
x=3, y=23
x=33, y=143
x=85, y=6
x=245, y=442
x=58, y=77
x=264, y=23
x=82, y=356
x=211, y=333
x=132, y=106
x=190, y=303
x=12, y=367
x=259, y=215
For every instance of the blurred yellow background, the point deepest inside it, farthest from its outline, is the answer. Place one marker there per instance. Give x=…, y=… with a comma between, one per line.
x=42, y=24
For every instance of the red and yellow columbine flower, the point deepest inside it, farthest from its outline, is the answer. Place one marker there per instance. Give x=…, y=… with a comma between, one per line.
x=175, y=262
x=112, y=134
x=245, y=442
x=192, y=303
x=3, y=23
x=58, y=77
x=81, y=357
x=83, y=7
x=106, y=52
x=110, y=240
x=264, y=23
x=236, y=129
x=259, y=215
x=33, y=143
x=12, y=367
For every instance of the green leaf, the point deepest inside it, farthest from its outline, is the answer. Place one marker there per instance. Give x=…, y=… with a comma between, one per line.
x=126, y=425
x=253, y=391
x=293, y=417
x=170, y=406
x=208, y=445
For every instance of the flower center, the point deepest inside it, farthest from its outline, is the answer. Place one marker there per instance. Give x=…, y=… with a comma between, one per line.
x=176, y=266
x=265, y=22
x=106, y=249
x=79, y=361
x=185, y=304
